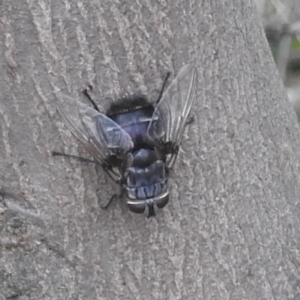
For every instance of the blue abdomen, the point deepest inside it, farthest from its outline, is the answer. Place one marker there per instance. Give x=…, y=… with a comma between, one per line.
x=146, y=183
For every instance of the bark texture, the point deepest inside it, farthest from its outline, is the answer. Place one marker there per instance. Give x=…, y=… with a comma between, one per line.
x=231, y=230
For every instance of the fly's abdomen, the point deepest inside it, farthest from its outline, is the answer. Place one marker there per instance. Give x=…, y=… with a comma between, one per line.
x=146, y=183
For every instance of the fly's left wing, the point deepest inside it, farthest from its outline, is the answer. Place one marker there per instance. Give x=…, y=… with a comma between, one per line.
x=171, y=113
x=102, y=137
x=106, y=134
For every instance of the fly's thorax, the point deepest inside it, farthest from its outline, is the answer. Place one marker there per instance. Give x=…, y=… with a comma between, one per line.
x=135, y=122
x=144, y=157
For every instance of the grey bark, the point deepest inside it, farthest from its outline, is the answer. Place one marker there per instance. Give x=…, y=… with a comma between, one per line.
x=231, y=229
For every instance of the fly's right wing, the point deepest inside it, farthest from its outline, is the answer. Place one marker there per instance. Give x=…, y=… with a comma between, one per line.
x=170, y=116
x=102, y=137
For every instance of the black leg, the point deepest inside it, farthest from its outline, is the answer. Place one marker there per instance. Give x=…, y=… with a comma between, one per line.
x=86, y=93
x=82, y=159
x=190, y=120
x=163, y=87
x=109, y=202
x=113, y=198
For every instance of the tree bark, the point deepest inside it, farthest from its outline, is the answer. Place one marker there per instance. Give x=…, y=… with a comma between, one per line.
x=231, y=229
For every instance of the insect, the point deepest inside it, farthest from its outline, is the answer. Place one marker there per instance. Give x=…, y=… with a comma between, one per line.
x=136, y=142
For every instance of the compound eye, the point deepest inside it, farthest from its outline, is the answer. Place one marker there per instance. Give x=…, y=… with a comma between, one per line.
x=137, y=207
x=162, y=202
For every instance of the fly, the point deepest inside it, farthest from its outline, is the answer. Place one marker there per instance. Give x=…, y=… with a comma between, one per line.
x=136, y=142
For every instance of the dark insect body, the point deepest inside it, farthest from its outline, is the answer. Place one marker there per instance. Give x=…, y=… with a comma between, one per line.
x=145, y=177
x=135, y=141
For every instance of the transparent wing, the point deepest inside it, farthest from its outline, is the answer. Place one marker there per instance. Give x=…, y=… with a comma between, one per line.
x=100, y=135
x=107, y=135
x=171, y=113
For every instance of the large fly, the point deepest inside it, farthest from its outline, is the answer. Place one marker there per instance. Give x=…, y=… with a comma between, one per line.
x=136, y=142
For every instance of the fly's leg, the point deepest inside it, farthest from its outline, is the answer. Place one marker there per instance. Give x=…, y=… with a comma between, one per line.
x=79, y=158
x=113, y=198
x=190, y=120
x=173, y=149
x=106, y=165
x=163, y=87
x=87, y=94
x=109, y=202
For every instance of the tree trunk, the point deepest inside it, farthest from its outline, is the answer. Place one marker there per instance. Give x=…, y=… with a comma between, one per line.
x=231, y=229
